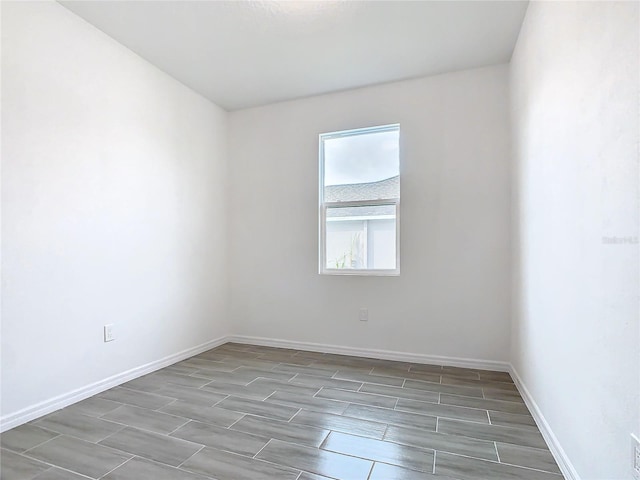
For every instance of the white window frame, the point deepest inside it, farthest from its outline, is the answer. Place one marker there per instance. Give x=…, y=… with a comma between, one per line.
x=323, y=206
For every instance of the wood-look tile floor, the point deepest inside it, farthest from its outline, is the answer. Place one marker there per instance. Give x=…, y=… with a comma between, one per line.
x=242, y=412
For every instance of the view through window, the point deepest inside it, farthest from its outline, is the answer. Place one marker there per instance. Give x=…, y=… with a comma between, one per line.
x=359, y=201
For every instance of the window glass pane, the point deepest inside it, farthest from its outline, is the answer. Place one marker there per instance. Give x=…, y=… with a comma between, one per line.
x=362, y=167
x=361, y=237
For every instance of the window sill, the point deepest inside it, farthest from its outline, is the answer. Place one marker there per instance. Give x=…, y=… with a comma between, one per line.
x=361, y=273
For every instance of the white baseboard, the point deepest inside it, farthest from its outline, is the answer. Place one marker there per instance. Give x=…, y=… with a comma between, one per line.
x=566, y=467
x=43, y=408
x=373, y=353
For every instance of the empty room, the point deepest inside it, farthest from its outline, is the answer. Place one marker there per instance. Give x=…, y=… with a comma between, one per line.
x=315, y=240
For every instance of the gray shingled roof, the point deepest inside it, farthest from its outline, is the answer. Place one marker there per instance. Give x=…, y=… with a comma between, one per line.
x=381, y=190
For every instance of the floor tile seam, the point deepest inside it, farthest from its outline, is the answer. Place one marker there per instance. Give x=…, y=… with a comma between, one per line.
x=320, y=378
x=244, y=456
x=417, y=365
x=482, y=398
x=351, y=402
x=159, y=408
x=416, y=447
x=168, y=436
x=323, y=450
x=262, y=448
x=545, y=449
x=440, y=449
x=366, y=393
x=74, y=406
x=224, y=398
x=186, y=385
x=275, y=401
x=156, y=410
x=434, y=450
x=242, y=395
x=504, y=442
x=482, y=440
x=271, y=437
x=48, y=464
x=370, y=382
x=471, y=457
x=444, y=417
x=359, y=435
x=113, y=469
x=435, y=389
x=559, y=475
x=292, y=416
x=126, y=425
x=479, y=379
x=189, y=457
x=373, y=461
x=57, y=434
x=188, y=420
x=254, y=415
x=440, y=404
x=82, y=475
x=371, y=471
x=229, y=427
x=392, y=423
x=28, y=457
x=195, y=374
x=285, y=365
x=213, y=380
x=131, y=390
x=519, y=429
x=483, y=386
x=288, y=382
x=106, y=420
x=525, y=428
x=502, y=463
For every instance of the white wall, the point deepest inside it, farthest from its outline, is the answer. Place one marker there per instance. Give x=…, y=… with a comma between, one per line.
x=574, y=82
x=452, y=297
x=113, y=208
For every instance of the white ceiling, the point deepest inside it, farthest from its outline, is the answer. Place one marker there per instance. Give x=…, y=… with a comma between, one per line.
x=246, y=53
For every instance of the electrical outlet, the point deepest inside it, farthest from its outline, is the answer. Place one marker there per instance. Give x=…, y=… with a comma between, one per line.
x=635, y=456
x=108, y=333
x=363, y=316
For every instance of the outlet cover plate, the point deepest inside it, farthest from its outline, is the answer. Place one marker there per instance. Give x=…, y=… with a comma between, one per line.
x=108, y=333
x=363, y=315
x=635, y=451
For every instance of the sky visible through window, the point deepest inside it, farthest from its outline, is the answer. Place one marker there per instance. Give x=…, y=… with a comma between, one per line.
x=361, y=158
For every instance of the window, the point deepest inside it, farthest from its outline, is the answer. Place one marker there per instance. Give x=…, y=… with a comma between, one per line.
x=359, y=201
